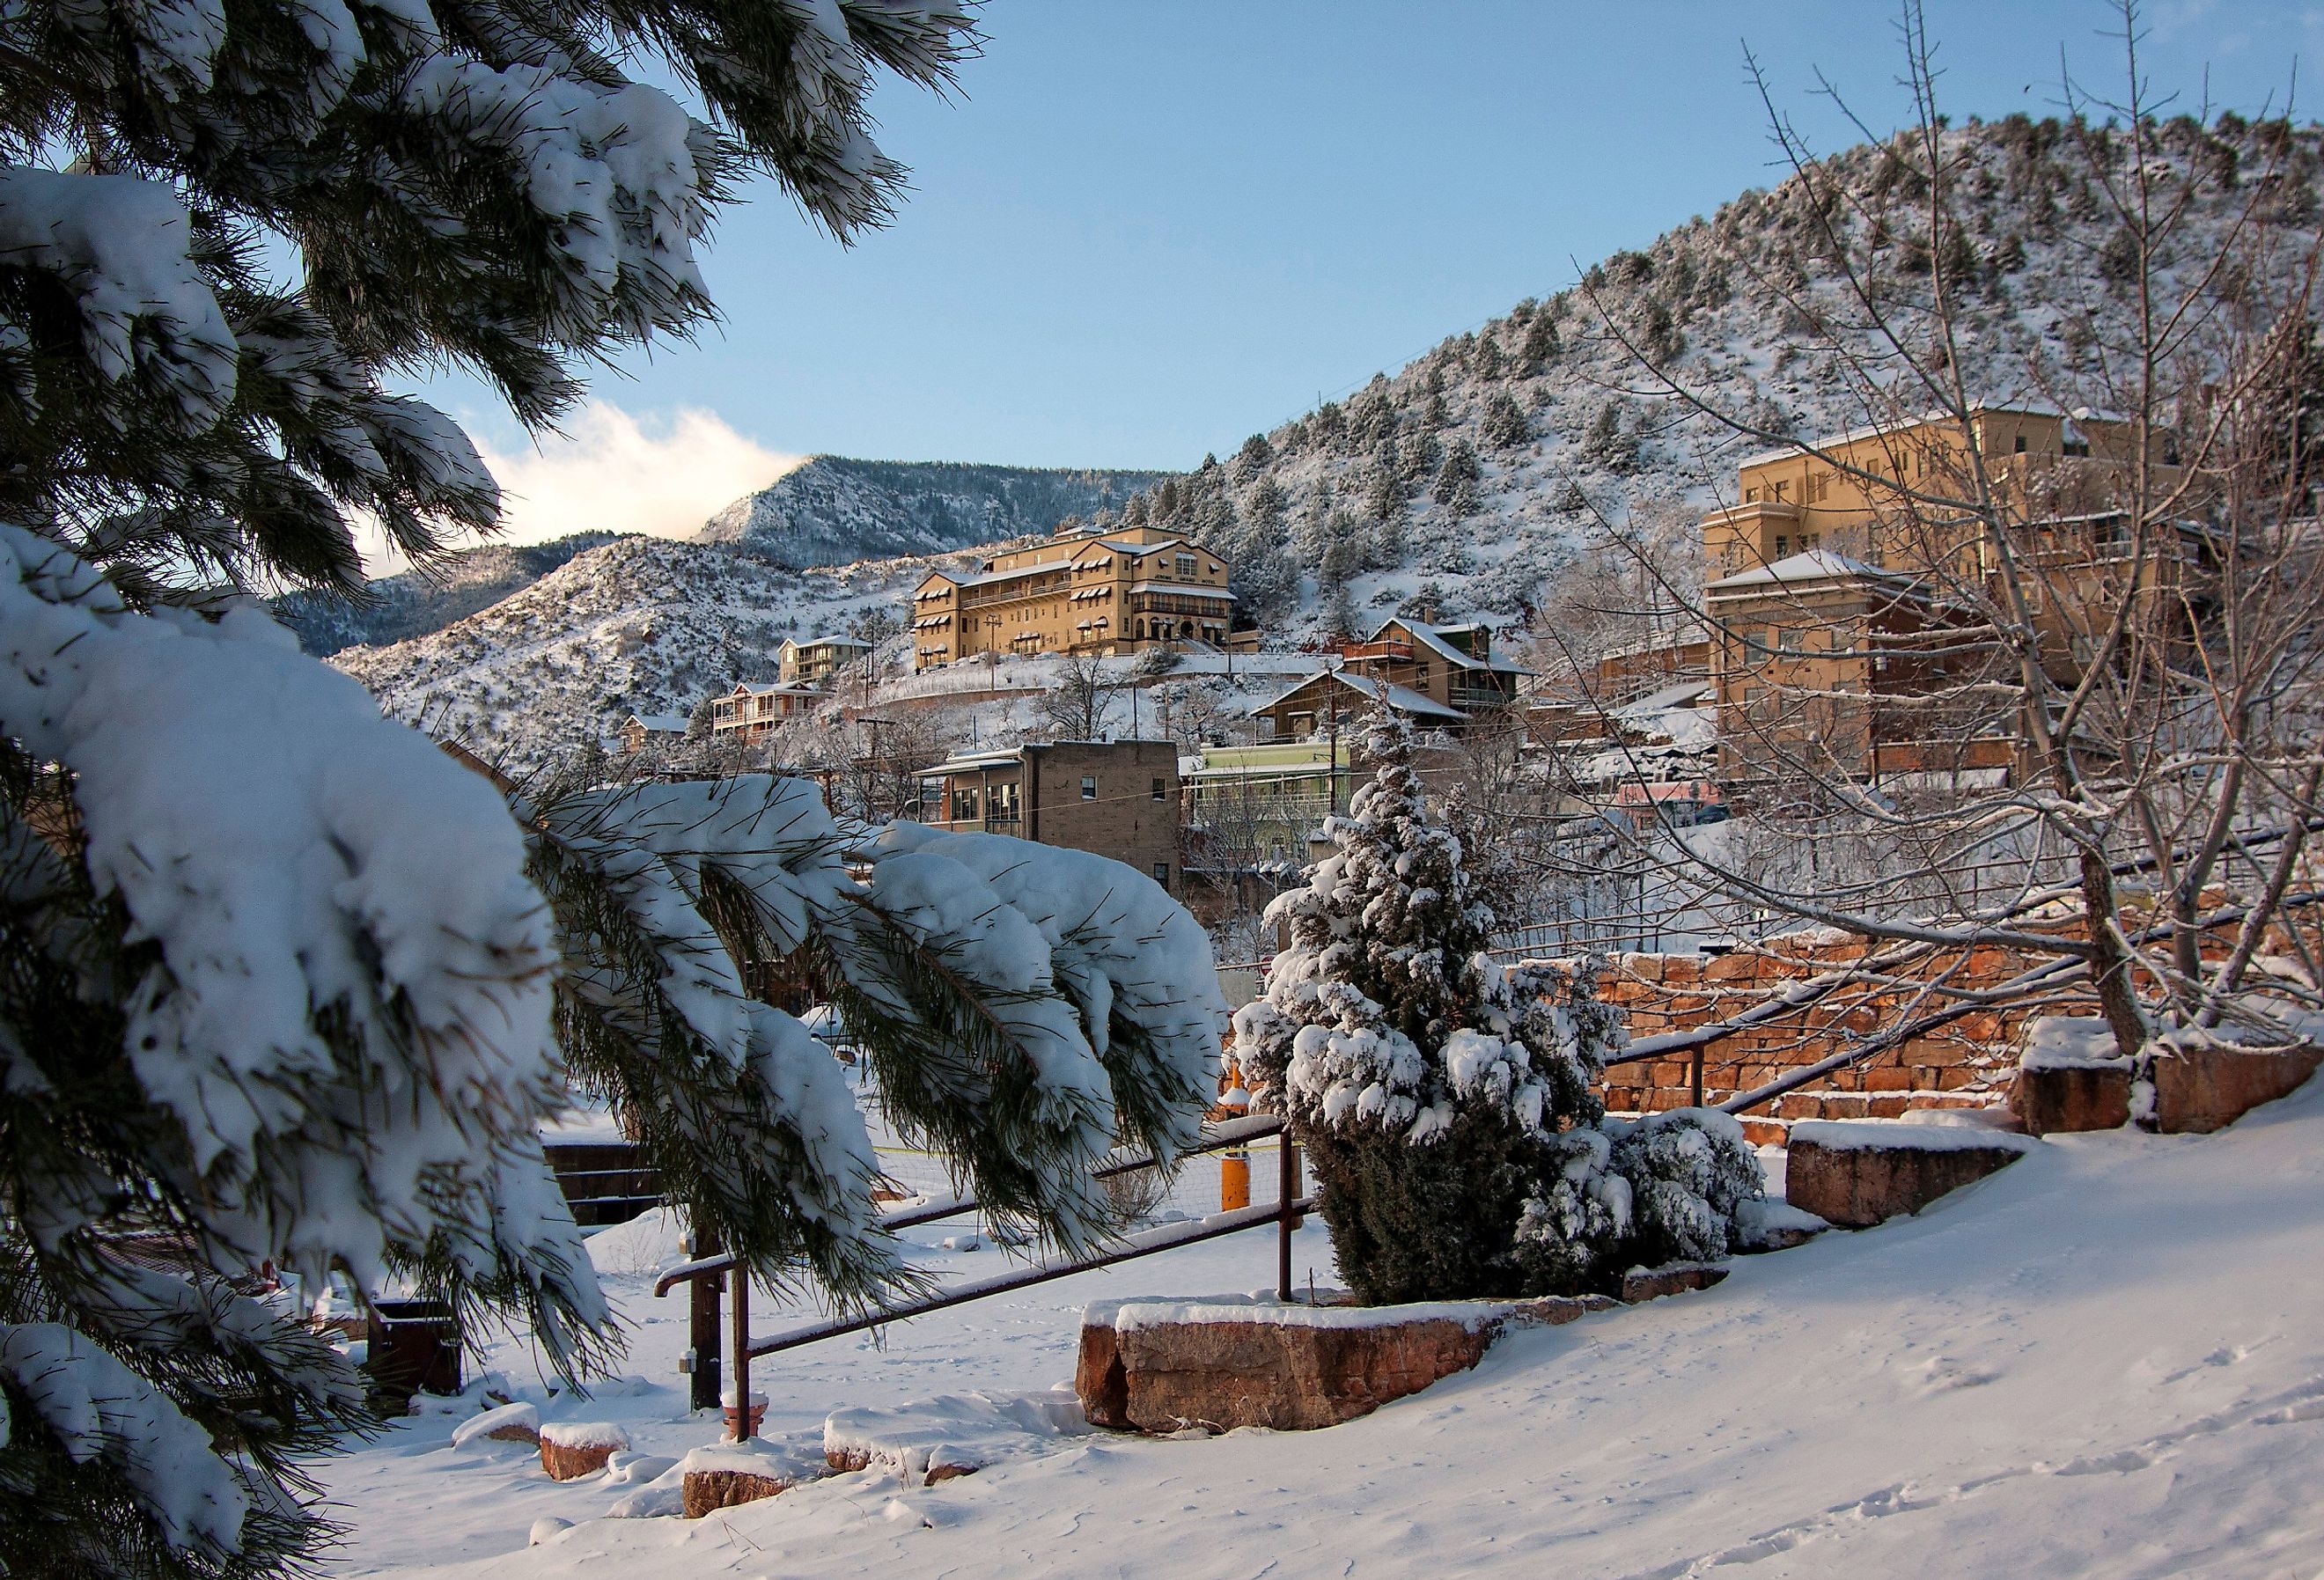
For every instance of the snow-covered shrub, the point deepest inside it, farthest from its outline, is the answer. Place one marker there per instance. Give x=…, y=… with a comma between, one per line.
x=1688, y=1169
x=1446, y=1100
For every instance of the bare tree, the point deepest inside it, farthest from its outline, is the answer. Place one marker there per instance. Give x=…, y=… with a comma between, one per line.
x=1076, y=705
x=2062, y=704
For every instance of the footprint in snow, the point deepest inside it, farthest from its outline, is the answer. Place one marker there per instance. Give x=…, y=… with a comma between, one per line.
x=1944, y=1374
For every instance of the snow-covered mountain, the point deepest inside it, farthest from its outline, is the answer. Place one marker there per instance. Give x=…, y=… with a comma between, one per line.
x=1474, y=476
x=835, y=511
x=1488, y=464
x=638, y=625
x=417, y=602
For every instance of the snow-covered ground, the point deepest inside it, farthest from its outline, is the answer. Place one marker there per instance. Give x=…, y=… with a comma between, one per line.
x=2107, y=1360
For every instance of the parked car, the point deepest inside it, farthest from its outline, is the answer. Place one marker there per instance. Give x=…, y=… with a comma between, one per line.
x=825, y=1025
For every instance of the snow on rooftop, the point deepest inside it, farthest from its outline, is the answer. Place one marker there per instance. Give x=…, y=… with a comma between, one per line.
x=1810, y=565
x=1402, y=698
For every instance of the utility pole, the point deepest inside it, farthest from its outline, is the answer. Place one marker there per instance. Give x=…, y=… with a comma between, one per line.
x=872, y=759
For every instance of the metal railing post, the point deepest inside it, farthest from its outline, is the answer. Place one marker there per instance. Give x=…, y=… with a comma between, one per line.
x=741, y=1278
x=1287, y=1220
x=703, y=1330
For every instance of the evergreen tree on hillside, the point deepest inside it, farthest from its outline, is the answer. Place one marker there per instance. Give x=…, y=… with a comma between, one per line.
x=1461, y=467
x=1445, y=1100
x=1505, y=426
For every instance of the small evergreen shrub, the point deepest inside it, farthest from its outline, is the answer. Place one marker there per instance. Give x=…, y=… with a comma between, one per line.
x=1444, y=1099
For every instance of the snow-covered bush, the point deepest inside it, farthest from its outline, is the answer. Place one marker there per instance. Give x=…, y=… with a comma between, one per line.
x=1444, y=1099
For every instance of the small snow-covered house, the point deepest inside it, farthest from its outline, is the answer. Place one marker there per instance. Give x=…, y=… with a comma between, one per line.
x=641, y=730
x=1330, y=702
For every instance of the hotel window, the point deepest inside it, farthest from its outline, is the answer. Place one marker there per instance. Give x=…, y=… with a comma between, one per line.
x=1088, y=787
x=1185, y=564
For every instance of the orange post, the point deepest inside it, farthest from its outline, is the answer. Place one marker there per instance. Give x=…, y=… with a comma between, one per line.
x=1234, y=1163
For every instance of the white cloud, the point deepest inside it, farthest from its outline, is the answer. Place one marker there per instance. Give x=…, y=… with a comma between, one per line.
x=609, y=471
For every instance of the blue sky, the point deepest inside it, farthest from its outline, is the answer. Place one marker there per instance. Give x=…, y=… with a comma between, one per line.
x=1140, y=232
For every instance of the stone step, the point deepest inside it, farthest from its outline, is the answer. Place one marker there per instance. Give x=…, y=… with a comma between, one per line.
x=1857, y=1173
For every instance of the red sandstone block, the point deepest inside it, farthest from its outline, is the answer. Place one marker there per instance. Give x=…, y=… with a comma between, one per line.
x=1888, y=1079
x=1799, y=1105
x=1731, y=969
x=1845, y=1105
x=1765, y=1133
x=1889, y=1107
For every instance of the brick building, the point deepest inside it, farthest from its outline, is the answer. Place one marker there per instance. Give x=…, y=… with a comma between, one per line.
x=1116, y=799
x=1121, y=591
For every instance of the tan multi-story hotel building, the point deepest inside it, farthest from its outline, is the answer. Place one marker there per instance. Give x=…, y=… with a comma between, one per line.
x=1119, y=591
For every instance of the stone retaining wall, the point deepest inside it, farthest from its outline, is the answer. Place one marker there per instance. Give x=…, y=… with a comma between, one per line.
x=1967, y=1064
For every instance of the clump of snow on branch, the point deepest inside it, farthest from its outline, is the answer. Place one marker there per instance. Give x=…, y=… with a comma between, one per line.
x=94, y=1406
x=348, y=1007
x=1132, y=961
x=120, y=245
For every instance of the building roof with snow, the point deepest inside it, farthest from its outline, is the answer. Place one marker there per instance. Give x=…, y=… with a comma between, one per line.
x=1813, y=565
x=1402, y=698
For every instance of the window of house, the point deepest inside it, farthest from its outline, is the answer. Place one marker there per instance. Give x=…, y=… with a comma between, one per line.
x=963, y=805
x=1088, y=787
x=2019, y=448
x=1162, y=874
x=1160, y=793
x=1783, y=544
x=1750, y=496
x=1819, y=484
x=1783, y=490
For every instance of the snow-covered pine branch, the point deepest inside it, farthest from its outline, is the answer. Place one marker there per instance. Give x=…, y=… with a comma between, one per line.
x=277, y=986
x=482, y=186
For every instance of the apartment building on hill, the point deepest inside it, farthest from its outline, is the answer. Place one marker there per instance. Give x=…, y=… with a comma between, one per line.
x=1437, y=677
x=1121, y=591
x=755, y=709
x=817, y=661
x=1842, y=592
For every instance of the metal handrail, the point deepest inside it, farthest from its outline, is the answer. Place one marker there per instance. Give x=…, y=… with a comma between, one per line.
x=709, y=1273
x=1215, y=1138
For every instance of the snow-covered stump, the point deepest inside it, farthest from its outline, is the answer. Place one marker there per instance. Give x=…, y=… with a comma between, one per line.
x=1641, y=1284
x=934, y=1440
x=2201, y=1089
x=1859, y=1173
x=728, y=1473
x=2061, y=1099
x=510, y=1423
x=2070, y=1078
x=1162, y=1367
x=571, y=1449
